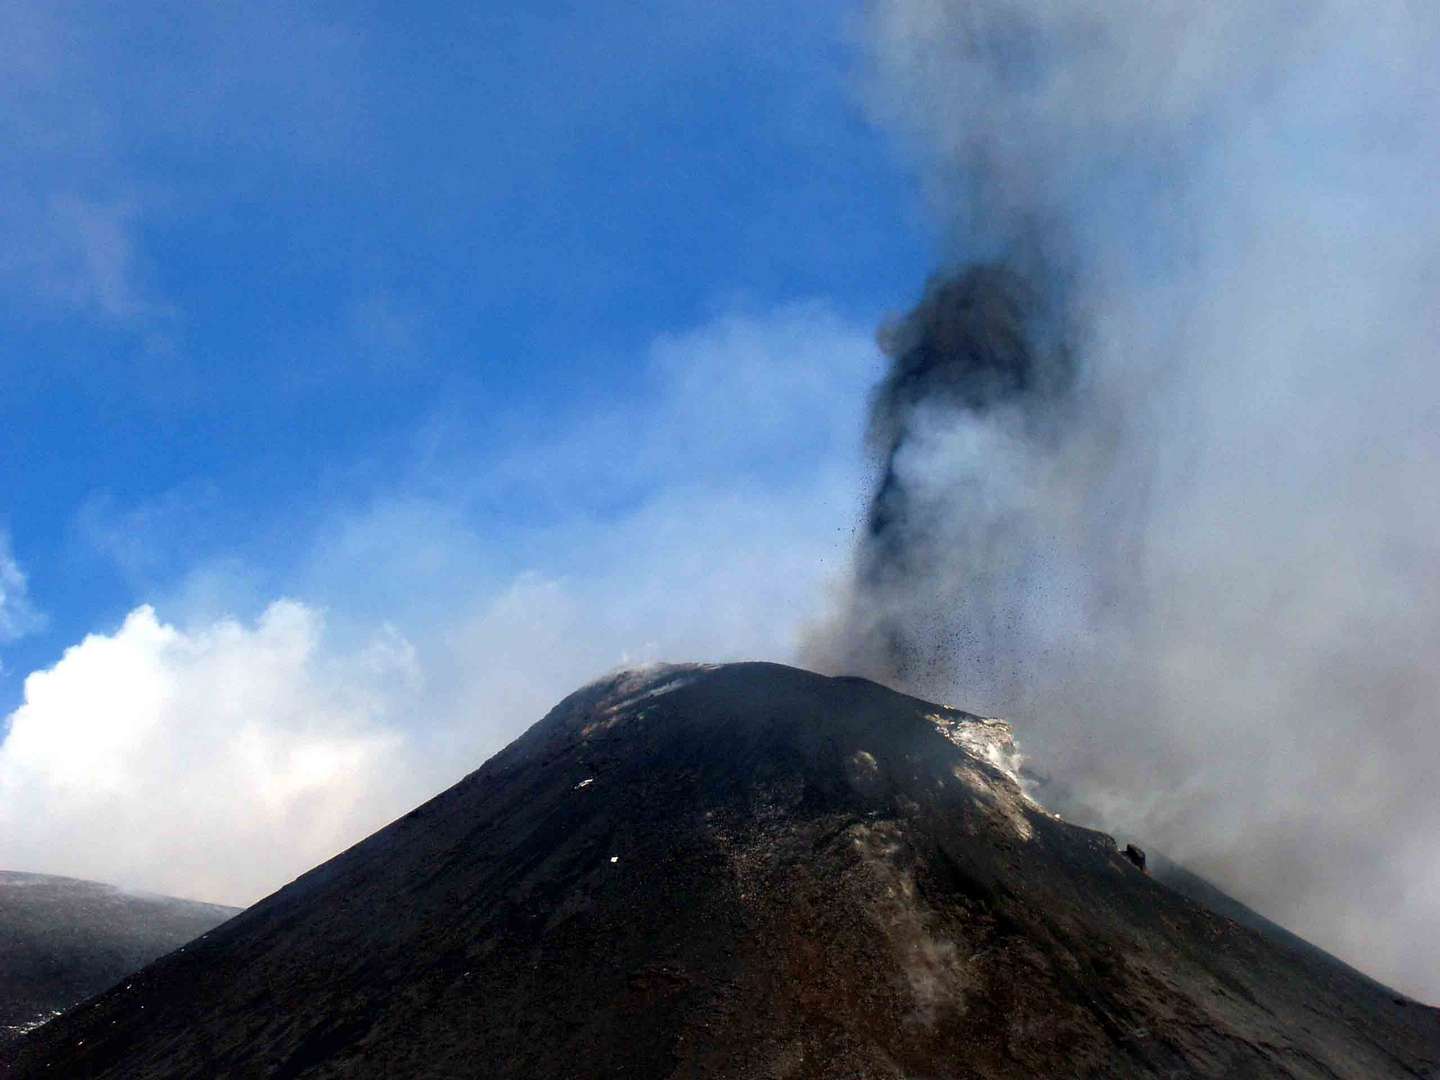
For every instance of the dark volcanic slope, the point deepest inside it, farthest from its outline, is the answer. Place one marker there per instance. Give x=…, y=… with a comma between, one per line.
x=62, y=940
x=743, y=871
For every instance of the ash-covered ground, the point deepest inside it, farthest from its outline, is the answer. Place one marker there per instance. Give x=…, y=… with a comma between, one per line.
x=744, y=870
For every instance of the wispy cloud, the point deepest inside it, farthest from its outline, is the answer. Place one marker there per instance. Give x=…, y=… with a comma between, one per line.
x=108, y=118
x=18, y=615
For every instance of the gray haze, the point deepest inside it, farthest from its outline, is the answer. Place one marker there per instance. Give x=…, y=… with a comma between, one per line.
x=1156, y=461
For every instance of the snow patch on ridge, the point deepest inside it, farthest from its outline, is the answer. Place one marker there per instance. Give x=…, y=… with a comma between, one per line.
x=990, y=739
x=601, y=705
x=631, y=683
x=16, y=1030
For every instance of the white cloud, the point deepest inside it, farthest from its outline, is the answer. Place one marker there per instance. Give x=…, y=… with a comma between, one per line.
x=214, y=763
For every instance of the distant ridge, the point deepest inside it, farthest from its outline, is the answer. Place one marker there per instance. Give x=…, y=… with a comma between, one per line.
x=63, y=940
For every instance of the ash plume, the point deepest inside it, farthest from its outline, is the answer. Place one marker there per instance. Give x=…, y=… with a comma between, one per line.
x=979, y=361
x=1155, y=458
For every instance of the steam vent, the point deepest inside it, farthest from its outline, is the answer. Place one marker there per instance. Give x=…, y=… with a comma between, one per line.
x=741, y=871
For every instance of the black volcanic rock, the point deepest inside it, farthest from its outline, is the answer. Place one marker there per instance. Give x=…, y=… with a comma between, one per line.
x=62, y=940
x=738, y=871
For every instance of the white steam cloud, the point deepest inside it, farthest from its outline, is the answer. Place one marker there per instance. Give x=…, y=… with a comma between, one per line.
x=1211, y=585
x=214, y=764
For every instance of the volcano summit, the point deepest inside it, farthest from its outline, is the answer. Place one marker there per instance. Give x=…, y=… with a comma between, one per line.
x=739, y=871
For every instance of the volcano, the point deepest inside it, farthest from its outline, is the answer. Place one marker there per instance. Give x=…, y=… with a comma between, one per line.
x=62, y=940
x=744, y=870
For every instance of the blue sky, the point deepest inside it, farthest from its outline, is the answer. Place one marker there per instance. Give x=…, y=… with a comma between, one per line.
x=374, y=375
x=266, y=263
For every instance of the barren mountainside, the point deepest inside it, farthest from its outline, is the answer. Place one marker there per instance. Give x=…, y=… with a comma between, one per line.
x=62, y=940
x=739, y=871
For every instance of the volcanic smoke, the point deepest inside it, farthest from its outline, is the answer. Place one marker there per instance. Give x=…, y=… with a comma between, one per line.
x=1155, y=458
